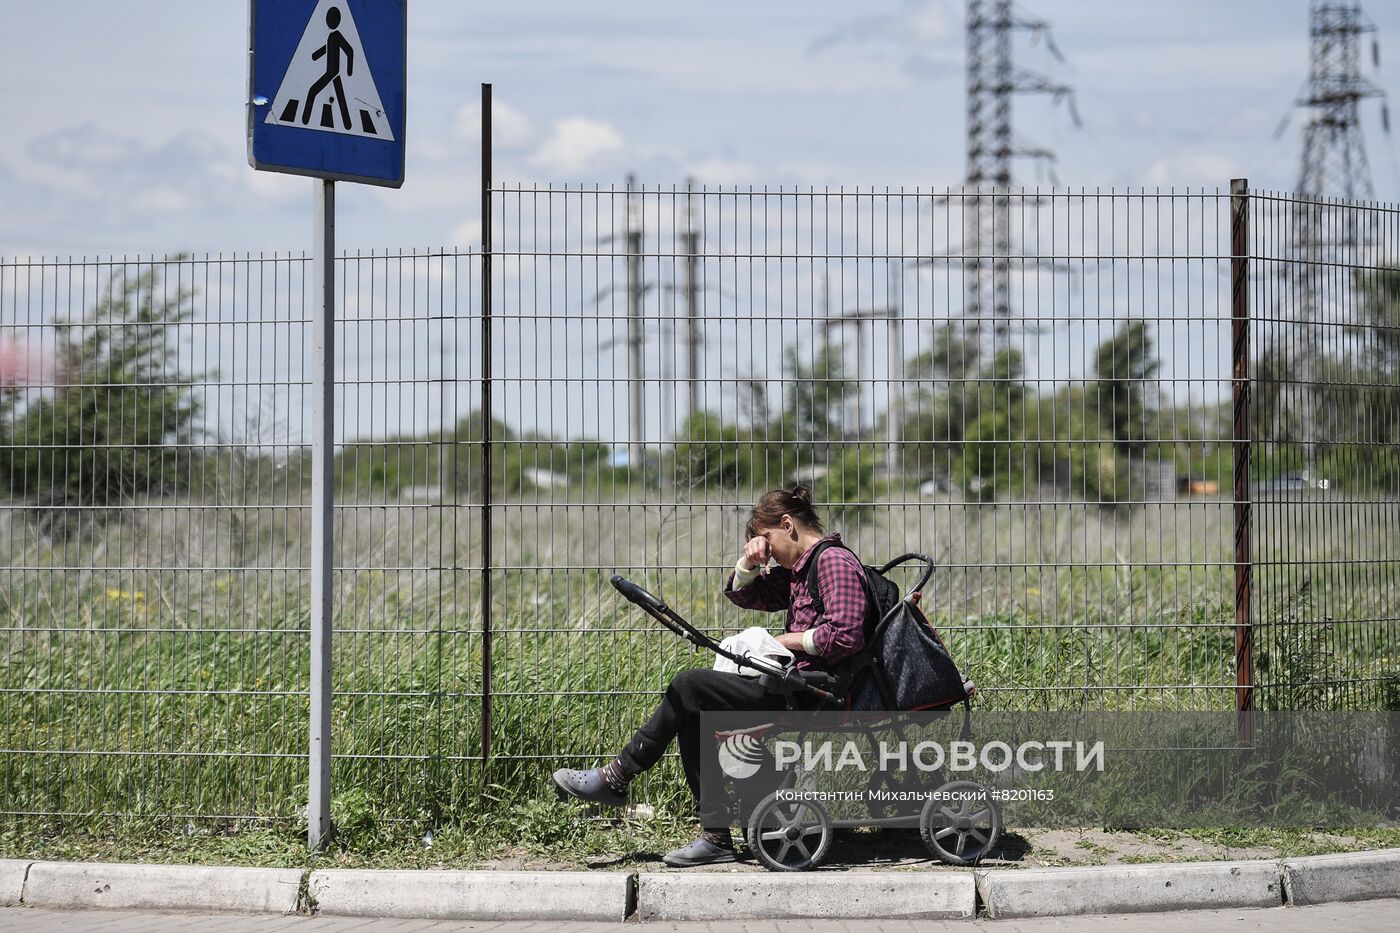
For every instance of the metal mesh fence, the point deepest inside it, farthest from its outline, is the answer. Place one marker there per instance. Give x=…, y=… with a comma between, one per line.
x=751, y=339
x=1057, y=423
x=1326, y=429
x=157, y=533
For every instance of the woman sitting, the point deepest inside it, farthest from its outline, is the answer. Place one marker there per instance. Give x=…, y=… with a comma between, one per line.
x=784, y=528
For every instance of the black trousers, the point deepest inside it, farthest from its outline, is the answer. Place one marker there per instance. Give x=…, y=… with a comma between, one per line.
x=678, y=717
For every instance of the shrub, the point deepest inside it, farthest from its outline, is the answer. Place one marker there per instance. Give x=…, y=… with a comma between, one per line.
x=1074, y=451
x=710, y=453
x=122, y=420
x=852, y=482
x=991, y=463
x=1386, y=674
x=465, y=452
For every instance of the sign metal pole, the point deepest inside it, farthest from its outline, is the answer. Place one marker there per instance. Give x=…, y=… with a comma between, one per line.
x=318, y=814
x=307, y=62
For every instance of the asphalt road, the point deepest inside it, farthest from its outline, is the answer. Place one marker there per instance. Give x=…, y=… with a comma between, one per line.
x=1370, y=916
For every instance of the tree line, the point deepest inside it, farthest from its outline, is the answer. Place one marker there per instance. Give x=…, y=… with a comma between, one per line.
x=124, y=422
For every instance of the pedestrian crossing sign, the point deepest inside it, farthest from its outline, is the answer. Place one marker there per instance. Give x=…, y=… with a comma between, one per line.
x=326, y=89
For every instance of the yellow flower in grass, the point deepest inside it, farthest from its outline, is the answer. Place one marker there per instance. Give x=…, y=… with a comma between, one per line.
x=126, y=596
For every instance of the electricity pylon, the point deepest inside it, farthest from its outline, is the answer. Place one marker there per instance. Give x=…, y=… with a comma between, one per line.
x=1333, y=164
x=992, y=81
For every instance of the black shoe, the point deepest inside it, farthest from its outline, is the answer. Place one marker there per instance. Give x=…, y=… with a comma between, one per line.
x=590, y=786
x=709, y=849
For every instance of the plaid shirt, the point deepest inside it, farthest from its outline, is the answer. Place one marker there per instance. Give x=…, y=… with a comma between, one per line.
x=839, y=631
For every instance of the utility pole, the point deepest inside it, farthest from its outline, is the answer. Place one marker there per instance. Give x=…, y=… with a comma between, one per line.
x=855, y=320
x=992, y=80
x=636, y=450
x=826, y=314
x=690, y=246
x=1333, y=163
x=689, y=238
x=894, y=411
x=858, y=319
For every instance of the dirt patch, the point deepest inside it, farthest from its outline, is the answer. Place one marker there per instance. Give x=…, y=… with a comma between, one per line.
x=903, y=850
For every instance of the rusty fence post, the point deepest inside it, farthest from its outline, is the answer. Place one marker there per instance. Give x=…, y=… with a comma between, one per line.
x=486, y=438
x=1243, y=454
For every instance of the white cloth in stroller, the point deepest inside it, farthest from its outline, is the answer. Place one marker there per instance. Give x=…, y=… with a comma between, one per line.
x=752, y=642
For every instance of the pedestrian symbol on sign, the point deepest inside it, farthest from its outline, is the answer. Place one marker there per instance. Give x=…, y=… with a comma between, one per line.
x=332, y=50
x=329, y=71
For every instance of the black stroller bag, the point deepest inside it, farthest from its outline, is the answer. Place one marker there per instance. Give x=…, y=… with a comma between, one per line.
x=919, y=673
x=902, y=645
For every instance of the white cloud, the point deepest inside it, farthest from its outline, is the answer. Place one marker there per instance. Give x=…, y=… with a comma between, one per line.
x=1192, y=168
x=574, y=144
x=919, y=23
x=510, y=127
x=429, y=149
x=467, y=233
x=266, y=188
x=162, y=200
x=930, y=22
x=1231, y=65
x=722, y=171
x=85, y=147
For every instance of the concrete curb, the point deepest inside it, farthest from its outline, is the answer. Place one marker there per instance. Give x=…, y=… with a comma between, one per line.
x=1349, y=876
x=863, y=895
x=472, y=895
x=163, y=887
x=1120, y=889
x=12, y=872
x=613, y=896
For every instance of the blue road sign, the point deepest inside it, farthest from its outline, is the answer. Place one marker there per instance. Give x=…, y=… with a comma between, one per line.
x=327, y=86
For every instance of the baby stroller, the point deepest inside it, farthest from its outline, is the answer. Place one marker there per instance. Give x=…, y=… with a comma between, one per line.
x=959, y=823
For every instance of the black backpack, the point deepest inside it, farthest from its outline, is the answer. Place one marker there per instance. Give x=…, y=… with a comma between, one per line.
x=917, y=671
x=881, y=593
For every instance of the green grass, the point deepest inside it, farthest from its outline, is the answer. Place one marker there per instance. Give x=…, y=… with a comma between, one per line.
x=550, y=835
x=177, y=696
x=543, y=833
x=198, y=722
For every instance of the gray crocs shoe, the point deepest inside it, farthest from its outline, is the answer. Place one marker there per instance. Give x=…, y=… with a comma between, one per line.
x=589, y=786
x=700, y=852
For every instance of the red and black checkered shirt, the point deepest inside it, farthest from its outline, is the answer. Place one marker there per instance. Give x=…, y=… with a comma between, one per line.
x=839, y=631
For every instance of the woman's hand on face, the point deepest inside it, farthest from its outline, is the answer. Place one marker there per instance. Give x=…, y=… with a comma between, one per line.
x=757, y=552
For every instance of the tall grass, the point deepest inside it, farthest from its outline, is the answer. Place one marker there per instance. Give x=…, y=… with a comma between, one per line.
x=158, y=665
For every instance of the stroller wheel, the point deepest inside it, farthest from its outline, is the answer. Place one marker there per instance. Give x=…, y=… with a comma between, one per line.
x=789, y=835
x=960, y=824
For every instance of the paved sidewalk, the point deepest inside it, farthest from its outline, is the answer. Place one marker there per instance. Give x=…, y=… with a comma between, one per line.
x=1371, y=916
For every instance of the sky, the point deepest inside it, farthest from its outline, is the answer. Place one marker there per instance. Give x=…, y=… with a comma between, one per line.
x=126, y=134
x=125, y=121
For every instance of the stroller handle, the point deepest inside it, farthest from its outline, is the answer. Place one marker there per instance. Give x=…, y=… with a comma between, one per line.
x=658, y=610
x=906, y=558
x=637, y=594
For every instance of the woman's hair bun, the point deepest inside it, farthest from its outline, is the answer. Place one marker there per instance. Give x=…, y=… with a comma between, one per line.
x=774, y=504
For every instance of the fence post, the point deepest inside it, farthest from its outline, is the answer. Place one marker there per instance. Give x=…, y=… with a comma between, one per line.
x=485, y=431
x=1243, y=453
x=318, y=816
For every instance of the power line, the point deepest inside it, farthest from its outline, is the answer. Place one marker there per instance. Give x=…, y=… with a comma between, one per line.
x=992, y=81
x=1333, y=164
